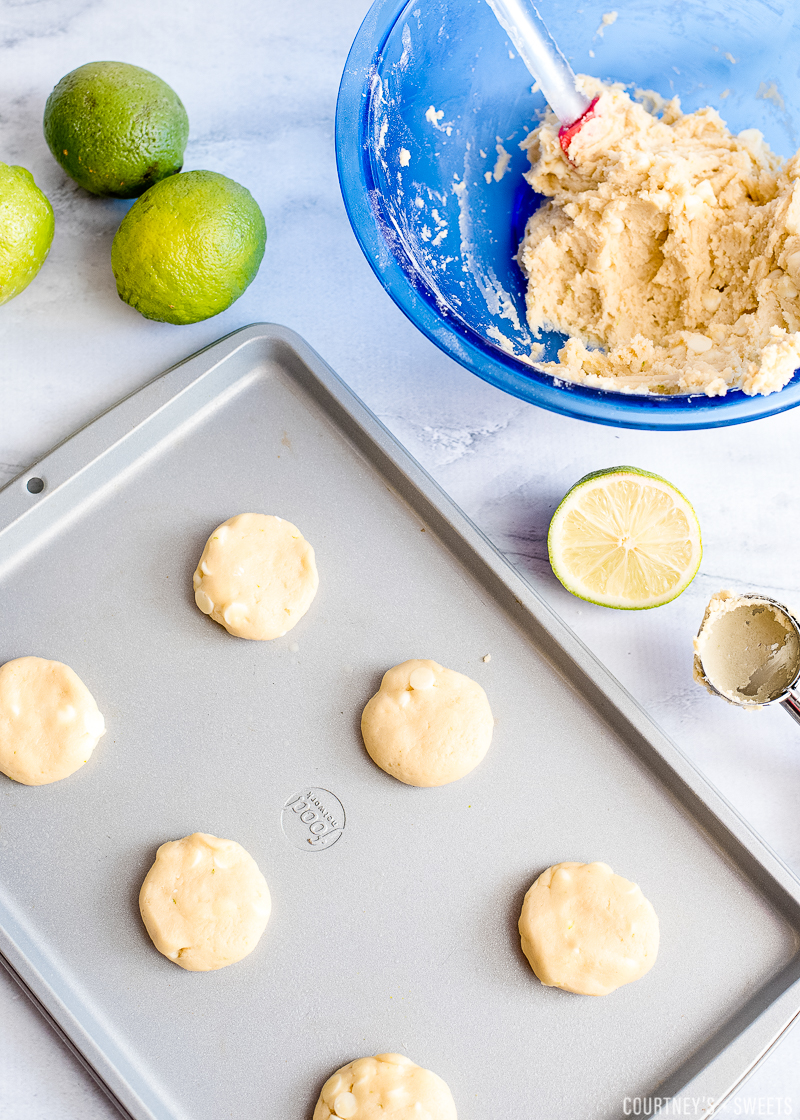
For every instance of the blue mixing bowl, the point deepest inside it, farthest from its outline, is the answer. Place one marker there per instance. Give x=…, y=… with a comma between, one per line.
x=432, y=107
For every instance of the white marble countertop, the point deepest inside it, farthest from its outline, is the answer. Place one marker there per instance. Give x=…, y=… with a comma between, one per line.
x=259, y=84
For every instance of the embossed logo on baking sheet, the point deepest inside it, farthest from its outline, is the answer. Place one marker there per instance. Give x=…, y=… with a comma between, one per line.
x=313, y=819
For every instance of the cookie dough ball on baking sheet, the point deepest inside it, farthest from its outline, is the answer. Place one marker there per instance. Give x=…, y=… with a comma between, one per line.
x=386, y=1087
x=587, y=930
x=49, y=722
x=426, y=725
x=256, y=577
x=204, y=902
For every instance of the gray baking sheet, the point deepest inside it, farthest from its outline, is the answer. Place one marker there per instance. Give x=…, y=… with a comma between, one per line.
x=400, y=934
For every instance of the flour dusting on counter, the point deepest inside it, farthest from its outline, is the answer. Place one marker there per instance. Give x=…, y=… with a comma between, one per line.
x=668, y=249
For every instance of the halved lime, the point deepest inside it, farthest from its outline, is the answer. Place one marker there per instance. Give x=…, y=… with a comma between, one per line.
x=625, y=538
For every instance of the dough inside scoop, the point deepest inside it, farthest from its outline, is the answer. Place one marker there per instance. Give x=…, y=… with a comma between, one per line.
x=747, y=649
x=427, y=725
x=49, y=721
x=587, y=930
x=386, y=1087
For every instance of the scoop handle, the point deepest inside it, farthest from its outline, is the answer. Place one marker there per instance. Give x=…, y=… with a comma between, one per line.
x=538, y=50
x=791, y=703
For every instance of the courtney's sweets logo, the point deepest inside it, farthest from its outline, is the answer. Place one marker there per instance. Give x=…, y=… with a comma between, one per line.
x=668, y=1106
x=704, y=1106
x=313, y=819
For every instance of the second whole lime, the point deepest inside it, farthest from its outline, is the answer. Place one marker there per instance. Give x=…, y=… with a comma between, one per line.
x=188, y=248
x=116, y=129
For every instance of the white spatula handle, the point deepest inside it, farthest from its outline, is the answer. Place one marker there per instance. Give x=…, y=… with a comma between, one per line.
x=537, y=49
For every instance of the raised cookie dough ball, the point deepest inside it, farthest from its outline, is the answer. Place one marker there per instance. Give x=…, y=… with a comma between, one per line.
x=587, y=930
x=386, y=1087
x=204, y=902
x=49, y=722
x=256, y=577
x=426, y=725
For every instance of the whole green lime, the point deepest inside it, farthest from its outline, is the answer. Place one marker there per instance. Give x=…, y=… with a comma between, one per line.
x=116, y=129
x=188, y=247
x=26, y=230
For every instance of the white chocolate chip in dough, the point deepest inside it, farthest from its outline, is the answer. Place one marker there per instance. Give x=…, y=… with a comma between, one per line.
x=345, y=1106
x=423, y=677
x=711, y=299
x=698, y=342
x=205, y=604
x=234, y=614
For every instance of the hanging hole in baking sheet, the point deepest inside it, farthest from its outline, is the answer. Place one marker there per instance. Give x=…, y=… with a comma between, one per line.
x=35, y=485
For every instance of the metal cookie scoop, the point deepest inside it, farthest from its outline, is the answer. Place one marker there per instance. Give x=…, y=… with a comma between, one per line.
x=747, y=650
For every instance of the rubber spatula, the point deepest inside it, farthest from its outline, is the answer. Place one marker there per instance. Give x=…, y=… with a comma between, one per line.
x=538, y=50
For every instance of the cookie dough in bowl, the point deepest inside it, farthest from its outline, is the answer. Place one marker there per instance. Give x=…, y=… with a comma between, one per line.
x=204, y=902
x=49, y=721
x=256, y=577
x=386, y=1087
x=426, y=725
x=669, y=249
x=587, y=930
